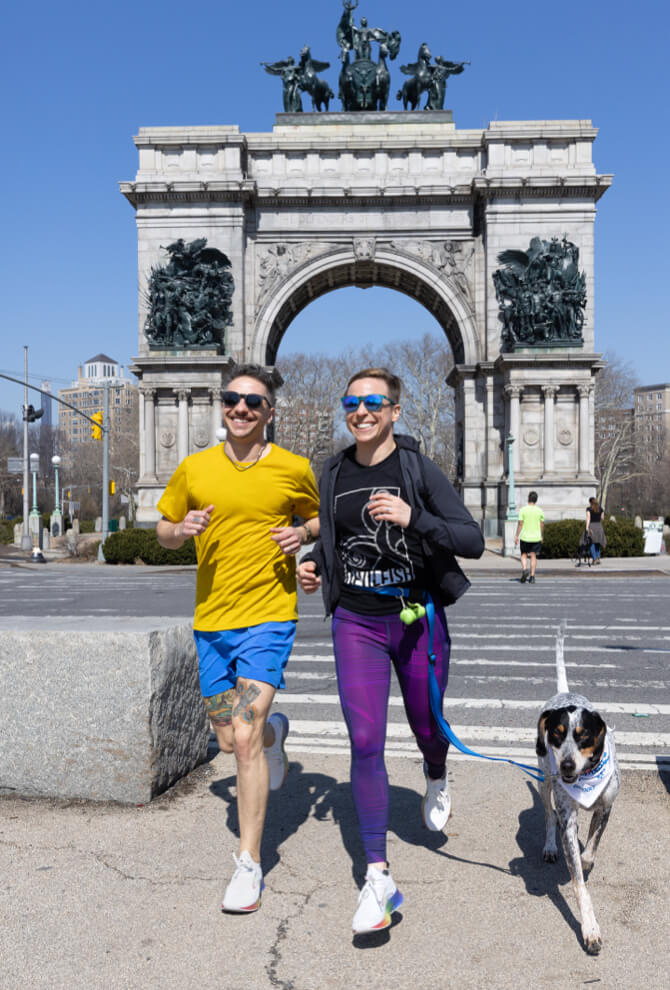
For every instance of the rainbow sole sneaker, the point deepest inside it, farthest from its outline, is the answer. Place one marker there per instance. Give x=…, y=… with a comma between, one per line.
x=243, y=893
x=275, y=754
x=378, y=899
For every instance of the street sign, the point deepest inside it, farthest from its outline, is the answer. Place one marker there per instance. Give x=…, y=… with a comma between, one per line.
x=15, y=465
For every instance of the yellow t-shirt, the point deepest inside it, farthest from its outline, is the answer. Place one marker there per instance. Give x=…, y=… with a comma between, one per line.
x=243, y=577
x=531, y=516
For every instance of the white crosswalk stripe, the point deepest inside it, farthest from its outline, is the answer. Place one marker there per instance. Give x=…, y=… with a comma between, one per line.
x=502, y=670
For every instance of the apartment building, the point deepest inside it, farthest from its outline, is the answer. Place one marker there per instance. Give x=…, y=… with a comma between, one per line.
x=652, y=418
x=87, y=394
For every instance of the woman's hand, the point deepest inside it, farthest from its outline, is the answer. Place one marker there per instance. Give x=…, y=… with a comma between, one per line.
x=308, y=579
x=389, y=508
x=289, y=539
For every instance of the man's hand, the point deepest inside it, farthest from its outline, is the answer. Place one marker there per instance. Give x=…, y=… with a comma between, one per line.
x=172, y=536
x=308, y=579
x=389, y=508
x=289, y=539
x=195, y=522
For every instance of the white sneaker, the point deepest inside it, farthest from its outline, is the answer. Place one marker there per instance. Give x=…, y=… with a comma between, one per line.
x=243, y=893
x=274, y=754
x=378, y=900
x=436, y=805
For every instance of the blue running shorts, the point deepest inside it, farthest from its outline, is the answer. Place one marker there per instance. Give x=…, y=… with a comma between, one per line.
x=257, y=653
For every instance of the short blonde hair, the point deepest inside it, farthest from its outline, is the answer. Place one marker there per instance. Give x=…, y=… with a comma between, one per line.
x=393, y=383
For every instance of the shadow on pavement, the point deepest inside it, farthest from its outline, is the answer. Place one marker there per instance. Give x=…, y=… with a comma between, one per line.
x=541, y=879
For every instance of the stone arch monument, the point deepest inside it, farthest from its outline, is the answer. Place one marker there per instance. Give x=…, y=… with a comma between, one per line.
x=490, y=229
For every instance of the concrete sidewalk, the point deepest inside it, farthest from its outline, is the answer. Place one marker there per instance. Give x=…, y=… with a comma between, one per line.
x=123, y=898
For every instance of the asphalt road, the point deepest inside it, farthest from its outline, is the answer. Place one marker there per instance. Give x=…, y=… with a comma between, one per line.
x=502, y=667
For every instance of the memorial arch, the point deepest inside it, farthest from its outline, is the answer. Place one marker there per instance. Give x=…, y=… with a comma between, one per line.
x=400, y=200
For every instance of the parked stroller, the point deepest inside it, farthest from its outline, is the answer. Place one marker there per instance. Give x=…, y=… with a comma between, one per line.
x=583, y=555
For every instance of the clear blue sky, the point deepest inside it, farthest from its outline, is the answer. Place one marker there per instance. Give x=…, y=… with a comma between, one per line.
x=80, y=78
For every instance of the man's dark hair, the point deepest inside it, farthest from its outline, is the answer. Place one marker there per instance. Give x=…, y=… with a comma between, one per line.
x=256, y=371
x=532, y=496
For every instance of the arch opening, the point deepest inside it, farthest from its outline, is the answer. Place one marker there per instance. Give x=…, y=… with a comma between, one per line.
x=365, y=275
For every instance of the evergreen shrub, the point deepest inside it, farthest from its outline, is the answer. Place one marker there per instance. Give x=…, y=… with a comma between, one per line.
x=624, y=539
x=7, y=530
x=127, y=546
x=561, y=538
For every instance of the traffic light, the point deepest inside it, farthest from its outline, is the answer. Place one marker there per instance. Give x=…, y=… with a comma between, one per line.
x=96, y=431
x=30, y=414
x=112, y=487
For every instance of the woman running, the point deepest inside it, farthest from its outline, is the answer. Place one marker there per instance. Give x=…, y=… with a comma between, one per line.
x=391, y=525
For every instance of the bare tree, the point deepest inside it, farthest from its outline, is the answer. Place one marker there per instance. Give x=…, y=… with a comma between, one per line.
x=309, y=419
x=11, y=445
x=616, y=444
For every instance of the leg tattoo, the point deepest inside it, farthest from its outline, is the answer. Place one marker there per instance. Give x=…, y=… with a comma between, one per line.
x=220, y=708
x=244, y=709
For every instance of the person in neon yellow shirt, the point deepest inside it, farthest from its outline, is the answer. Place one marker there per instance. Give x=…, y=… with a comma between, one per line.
x=238, y=500
x=530, y=534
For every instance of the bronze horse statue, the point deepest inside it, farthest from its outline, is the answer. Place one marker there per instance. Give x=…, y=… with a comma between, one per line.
x=318, y=89
x=421, y=78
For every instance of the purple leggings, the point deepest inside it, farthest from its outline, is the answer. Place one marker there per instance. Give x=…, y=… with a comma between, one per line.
x=365, y=647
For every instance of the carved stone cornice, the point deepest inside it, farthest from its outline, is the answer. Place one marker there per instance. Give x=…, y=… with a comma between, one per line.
x=490, y=188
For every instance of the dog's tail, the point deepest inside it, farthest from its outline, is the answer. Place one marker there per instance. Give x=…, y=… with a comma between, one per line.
x=561, y=676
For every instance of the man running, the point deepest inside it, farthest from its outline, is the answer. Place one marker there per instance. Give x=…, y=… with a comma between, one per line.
x=238, y=500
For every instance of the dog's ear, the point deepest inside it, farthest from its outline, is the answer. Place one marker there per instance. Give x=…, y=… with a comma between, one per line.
x=540, y=747
x=599, y=730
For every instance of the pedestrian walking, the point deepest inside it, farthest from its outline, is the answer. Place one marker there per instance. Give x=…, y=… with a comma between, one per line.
x=391, y=525
x=595, y=529
x=529, y=535
x=238, y=500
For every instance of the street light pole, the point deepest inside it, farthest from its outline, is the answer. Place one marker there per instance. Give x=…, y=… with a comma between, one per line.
x=105, y=471
x=512, y=516
x=56, y=515
x=26, y=542
x=35, y=517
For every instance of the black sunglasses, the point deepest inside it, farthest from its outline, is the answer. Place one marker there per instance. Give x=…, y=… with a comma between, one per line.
x=373, y=403
x=252, y=399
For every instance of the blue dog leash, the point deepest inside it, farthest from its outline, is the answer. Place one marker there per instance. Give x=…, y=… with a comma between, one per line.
x=446, y=731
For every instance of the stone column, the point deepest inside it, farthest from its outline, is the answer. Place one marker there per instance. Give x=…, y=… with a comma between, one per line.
x=215, y=399
x=584, y=459
x=469, y=466
x=182, y=423
x=513, y=393
x=149, y=431
x=549, y=393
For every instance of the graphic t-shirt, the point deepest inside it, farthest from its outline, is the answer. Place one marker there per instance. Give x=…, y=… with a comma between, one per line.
x=373, y=553
x=243, y=577
x=531, y=516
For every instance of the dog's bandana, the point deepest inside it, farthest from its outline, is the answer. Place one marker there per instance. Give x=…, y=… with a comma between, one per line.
x=589, y=786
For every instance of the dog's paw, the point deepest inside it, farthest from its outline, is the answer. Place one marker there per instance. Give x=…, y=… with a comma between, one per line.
x=587, y=865
x=550, y=854
x=593, y=942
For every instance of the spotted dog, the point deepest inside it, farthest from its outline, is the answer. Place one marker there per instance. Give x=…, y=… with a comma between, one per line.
x=576, y=753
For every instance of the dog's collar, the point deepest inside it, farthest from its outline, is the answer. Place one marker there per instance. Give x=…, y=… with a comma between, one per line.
x=590, y=785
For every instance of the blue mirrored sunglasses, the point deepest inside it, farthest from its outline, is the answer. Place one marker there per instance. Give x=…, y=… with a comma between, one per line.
x=373, y=403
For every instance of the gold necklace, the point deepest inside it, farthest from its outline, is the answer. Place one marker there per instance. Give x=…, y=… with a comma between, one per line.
x=247, y=467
